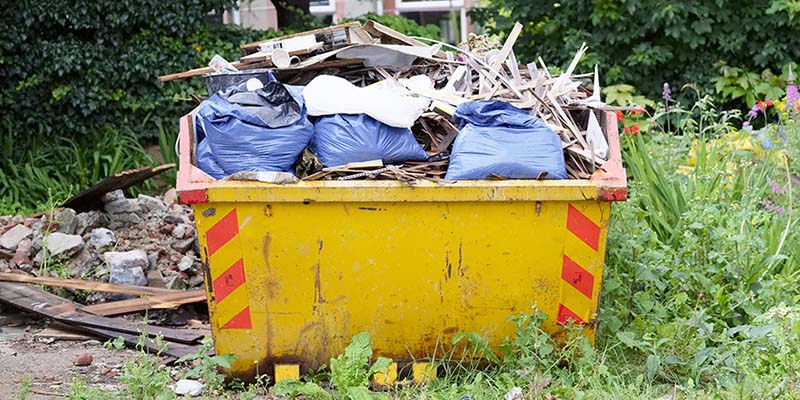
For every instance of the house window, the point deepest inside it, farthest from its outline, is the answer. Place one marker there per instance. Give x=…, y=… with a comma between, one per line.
x=322, y=7
x=432, y=5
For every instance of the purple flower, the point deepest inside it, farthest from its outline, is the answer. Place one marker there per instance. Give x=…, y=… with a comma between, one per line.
x=745, y=124
x=666, y=93
x=791, y=95
x=776, y=188
x=753, y=113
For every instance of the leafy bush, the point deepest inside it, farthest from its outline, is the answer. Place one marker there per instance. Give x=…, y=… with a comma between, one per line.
x=70, y=69
x=39, y=171
x=403, y=25
x=647, y=43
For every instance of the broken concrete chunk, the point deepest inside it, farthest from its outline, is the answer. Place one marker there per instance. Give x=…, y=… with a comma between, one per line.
x=183, y=245
x=179, y=231
x=155, y=279
x=102, y=237
x=59, y=244
x=113, y=196
x=127, y=267
x=90, y=220
x=122, y=206
x=120, y=220
x=13, y=236
x=22, y=257
x=81, y=265
x=151, y=204
x=185, y=263
x=67, y=220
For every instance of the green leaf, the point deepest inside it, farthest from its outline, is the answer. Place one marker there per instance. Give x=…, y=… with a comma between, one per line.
x=358, y=393
x=294, y=388
x=479, y=344
x=223, y=361
x=652, y=365
x=381, y=364
x=629, y=339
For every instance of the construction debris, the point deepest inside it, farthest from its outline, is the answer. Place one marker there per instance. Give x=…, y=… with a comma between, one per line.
x=143, y=246
x=397, y=79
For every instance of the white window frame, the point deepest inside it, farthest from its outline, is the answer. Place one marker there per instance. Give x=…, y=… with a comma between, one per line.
x=434, y=5
x=324, y=10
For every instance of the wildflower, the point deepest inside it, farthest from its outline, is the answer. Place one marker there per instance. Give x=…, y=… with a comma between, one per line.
x=626, y=130
x=745, y=124
x=776, y=188
x=635, y=129
x=666, y=93
x=791, y=90
x=620, y=115
x=753, y=113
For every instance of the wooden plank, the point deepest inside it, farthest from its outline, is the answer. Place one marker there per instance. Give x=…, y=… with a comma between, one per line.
x=254, y=47
x=160, y=301
x=267, y=57
x=508, y=46
x=90, y=199
x=207, y=70
x=173, y=350
x=59, y=331
x=391, y=36
x=37, y=301
x=85, y=285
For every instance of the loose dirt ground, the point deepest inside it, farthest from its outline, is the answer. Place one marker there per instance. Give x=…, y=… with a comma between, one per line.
x=48, y=362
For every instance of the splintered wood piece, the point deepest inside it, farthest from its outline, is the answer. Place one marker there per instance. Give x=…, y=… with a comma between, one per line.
x=452, y=132
x=37, y=301
x=267, y=57
x=207, y=70
x=85, y=285
x=91, y=199
x=161, y=301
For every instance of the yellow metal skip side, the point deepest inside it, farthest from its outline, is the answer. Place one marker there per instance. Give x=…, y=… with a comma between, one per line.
x=297, y=280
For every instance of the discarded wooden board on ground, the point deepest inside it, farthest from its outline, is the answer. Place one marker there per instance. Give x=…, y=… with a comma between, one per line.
x=60, y=331
x=39, y=302
x=86, y=285
x=90, y=199
x=159, y=301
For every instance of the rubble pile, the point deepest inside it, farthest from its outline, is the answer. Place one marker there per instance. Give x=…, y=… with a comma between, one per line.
x=144, y=241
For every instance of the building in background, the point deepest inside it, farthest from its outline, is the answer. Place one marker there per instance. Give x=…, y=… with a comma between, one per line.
x=449, y=15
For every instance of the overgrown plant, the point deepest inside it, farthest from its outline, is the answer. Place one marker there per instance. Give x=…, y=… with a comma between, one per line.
x=349, y=374
x=207, y=365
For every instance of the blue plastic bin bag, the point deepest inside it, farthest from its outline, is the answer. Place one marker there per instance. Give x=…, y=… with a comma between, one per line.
x=497, y=138
x=263, y=130
x=344, y=138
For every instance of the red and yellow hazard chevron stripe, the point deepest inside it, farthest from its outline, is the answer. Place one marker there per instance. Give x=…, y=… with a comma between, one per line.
x=229, y=283
x=580, y=260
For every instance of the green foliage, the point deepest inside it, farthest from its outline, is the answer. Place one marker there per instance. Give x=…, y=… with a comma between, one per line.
x=80, y=390
x=402, y=24
x=749, y=87
x=647, y=43
x=25, y=386
x=40, y=170
x=349, y=374
x=207, y=365
x=72, y=69
x=115, y=344
x=142, y=376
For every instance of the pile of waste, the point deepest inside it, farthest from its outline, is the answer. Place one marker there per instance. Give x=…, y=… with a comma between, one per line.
x=367, y=102
x=142, y=241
